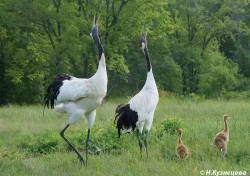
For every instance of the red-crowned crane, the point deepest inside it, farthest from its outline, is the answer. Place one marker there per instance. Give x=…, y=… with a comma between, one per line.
x=79, y=97
x=140, y=109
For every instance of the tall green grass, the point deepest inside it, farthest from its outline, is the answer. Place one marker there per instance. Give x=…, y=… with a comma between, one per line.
x=30, y=143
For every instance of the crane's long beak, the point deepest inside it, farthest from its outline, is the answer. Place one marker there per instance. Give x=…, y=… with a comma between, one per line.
x=94, y=27
x=146, y=33
x=94, y=21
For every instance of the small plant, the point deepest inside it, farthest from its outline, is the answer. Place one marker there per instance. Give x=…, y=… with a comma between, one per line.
x=106, y=139
x=42, y=144
x=170, y=125
x=102, y=139
x=197, y=98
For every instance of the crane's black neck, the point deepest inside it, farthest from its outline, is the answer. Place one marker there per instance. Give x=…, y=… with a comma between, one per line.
x=147, y=59
x=100, y=47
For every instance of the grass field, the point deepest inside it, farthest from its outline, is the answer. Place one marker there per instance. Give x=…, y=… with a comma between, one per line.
x=30, y=143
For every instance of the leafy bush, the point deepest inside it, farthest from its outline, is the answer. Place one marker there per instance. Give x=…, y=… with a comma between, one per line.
x=197, y=98
x=170, y=125
x=106, y=140
x=101, y=140
x=35, y=144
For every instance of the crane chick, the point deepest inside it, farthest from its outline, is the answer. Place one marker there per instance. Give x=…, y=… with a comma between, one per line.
x=221, y=139
x=181, y=149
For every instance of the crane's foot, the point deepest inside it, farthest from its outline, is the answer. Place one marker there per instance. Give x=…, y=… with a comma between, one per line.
x=81, y=159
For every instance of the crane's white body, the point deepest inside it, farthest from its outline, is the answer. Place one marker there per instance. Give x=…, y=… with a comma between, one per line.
x=80, y=97
x=145, y=102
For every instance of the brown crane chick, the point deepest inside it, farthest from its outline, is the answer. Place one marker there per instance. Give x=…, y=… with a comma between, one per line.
x=181, y=149
x=221, y=139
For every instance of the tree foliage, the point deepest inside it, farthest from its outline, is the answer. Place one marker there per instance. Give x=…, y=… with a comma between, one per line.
x=197, y=47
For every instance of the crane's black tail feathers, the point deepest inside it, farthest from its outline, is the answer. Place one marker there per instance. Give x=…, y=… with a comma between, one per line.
x=125, y=118
x=53, y=90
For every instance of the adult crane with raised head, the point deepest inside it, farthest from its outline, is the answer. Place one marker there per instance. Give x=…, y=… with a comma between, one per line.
x=139, y=111
x=79, y=97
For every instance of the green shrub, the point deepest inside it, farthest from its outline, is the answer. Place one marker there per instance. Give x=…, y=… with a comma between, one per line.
x=106, y=140
x=101, y=139
x=170, y=125
x=39, y=144
x=196, y=97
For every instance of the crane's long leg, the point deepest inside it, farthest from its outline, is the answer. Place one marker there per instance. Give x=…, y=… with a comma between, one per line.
x=146, y=142
x=222, y=157
x=78, y=154
x=223, y=152
x=87, y=146
x=139, y=135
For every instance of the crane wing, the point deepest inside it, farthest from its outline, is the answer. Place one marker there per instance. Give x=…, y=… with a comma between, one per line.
x=74, y=89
